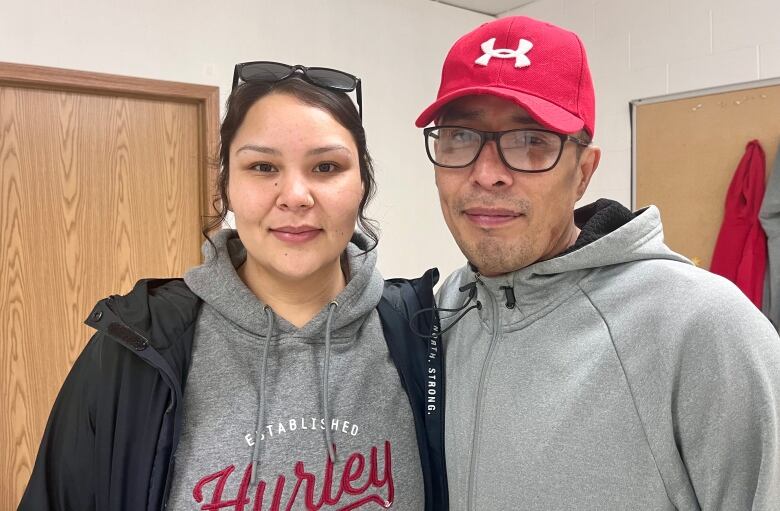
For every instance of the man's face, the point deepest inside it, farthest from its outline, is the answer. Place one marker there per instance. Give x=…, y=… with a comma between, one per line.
x=501, y=219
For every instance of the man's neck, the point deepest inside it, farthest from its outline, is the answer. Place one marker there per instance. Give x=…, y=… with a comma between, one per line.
x=562, y=244
x=296, y=300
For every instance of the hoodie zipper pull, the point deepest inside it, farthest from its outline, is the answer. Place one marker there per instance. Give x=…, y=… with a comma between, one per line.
x=509, y=293
x=510, y=296
x=477, y=279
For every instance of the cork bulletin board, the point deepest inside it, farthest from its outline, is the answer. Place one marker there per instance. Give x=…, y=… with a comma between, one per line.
x=686, y=149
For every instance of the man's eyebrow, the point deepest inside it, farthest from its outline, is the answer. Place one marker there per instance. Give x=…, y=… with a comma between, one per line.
x=259, y=149
x=461, y=115
x=326, y=149
x=525, y=119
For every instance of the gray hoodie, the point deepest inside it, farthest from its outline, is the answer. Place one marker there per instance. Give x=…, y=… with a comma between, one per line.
x=622, y=378
x=282, y=403
x=770, y=221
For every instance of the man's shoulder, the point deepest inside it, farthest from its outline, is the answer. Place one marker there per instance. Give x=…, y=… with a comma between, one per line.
x=679, y=303
x=663, y=277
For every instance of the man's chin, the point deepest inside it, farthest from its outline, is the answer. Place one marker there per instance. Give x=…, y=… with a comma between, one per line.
x=492, y=260
x=493, y=270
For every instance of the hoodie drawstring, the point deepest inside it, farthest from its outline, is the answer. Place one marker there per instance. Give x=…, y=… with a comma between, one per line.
x=471, y=287
x=261, y=394
x=325, y=370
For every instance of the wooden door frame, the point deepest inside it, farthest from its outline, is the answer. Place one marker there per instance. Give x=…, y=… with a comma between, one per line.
x=206, y=97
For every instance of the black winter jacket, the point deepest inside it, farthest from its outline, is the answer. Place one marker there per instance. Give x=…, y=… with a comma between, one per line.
x=113, y=430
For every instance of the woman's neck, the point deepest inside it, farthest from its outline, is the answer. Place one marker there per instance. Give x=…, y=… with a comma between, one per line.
x=296, y=300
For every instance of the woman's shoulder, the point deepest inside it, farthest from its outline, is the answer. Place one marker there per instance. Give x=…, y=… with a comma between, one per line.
x=156, y=312
x=404, y=294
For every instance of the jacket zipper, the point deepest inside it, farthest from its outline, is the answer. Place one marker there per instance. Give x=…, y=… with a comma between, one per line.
x=166, y=374
x=480, y=394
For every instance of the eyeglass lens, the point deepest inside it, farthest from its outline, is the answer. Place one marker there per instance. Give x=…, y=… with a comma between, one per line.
x=331, y=78
x=265, y=72
x=530, y=150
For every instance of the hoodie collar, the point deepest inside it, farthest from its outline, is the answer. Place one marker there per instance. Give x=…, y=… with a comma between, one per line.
x=217, y=283
x=610, y=235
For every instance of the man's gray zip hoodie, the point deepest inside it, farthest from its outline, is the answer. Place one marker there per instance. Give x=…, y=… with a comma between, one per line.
x=267, y=406
x=622, y=378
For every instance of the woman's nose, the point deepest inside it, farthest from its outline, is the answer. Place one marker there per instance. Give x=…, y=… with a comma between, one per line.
x=294, y=192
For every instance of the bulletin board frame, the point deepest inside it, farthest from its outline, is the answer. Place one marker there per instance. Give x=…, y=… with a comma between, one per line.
x=685, y=148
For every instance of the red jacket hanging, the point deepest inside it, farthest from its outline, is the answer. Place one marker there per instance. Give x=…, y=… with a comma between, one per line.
x=740, y=252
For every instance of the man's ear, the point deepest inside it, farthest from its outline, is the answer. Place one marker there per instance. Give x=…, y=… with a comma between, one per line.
x=586, y=166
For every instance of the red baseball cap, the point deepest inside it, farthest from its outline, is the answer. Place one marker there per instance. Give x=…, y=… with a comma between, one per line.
x=541, y=67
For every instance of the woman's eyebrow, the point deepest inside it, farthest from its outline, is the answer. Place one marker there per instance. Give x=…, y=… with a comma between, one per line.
x=328, y=148
x=259, y=149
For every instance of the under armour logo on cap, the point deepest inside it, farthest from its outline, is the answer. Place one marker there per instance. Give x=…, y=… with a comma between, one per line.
x=521, y=60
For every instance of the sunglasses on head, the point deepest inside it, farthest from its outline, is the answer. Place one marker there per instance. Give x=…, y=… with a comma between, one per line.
x=271, y=72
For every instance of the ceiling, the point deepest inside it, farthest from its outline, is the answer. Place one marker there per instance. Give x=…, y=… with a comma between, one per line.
x=491, y=7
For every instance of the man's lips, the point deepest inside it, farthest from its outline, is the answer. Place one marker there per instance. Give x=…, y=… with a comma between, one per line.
x=490, y=217
x=296, y=233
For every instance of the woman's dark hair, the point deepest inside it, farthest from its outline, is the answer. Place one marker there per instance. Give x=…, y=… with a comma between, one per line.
x=337, y=104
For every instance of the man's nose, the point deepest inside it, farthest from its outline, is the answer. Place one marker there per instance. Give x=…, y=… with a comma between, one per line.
x=294, y=192
x=489, y=171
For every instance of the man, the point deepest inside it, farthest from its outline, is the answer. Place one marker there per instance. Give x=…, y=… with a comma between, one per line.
x=592, y=368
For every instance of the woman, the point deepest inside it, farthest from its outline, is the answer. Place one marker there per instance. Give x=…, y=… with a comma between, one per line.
x=262, y=380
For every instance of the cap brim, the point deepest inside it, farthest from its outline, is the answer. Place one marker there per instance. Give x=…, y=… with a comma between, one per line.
x=547, y=114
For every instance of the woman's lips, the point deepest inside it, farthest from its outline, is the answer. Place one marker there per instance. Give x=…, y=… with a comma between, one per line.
x=296, y=234
x=484, y=217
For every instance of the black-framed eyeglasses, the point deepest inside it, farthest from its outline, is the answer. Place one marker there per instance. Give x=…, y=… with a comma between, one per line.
x=522, y=150
x=270, y=72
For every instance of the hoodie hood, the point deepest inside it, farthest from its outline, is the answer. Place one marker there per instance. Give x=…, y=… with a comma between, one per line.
x=638, y=238
x=611, y=235
x=217, y=283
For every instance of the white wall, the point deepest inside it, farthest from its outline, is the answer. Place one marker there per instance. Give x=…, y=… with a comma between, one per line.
x=395, y=46
x=645, y=48
x=637, y=49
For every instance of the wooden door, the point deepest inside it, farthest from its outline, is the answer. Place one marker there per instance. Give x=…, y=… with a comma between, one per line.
x=103, y=180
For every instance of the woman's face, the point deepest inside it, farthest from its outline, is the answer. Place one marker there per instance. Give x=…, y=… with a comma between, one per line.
x=294, y=188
